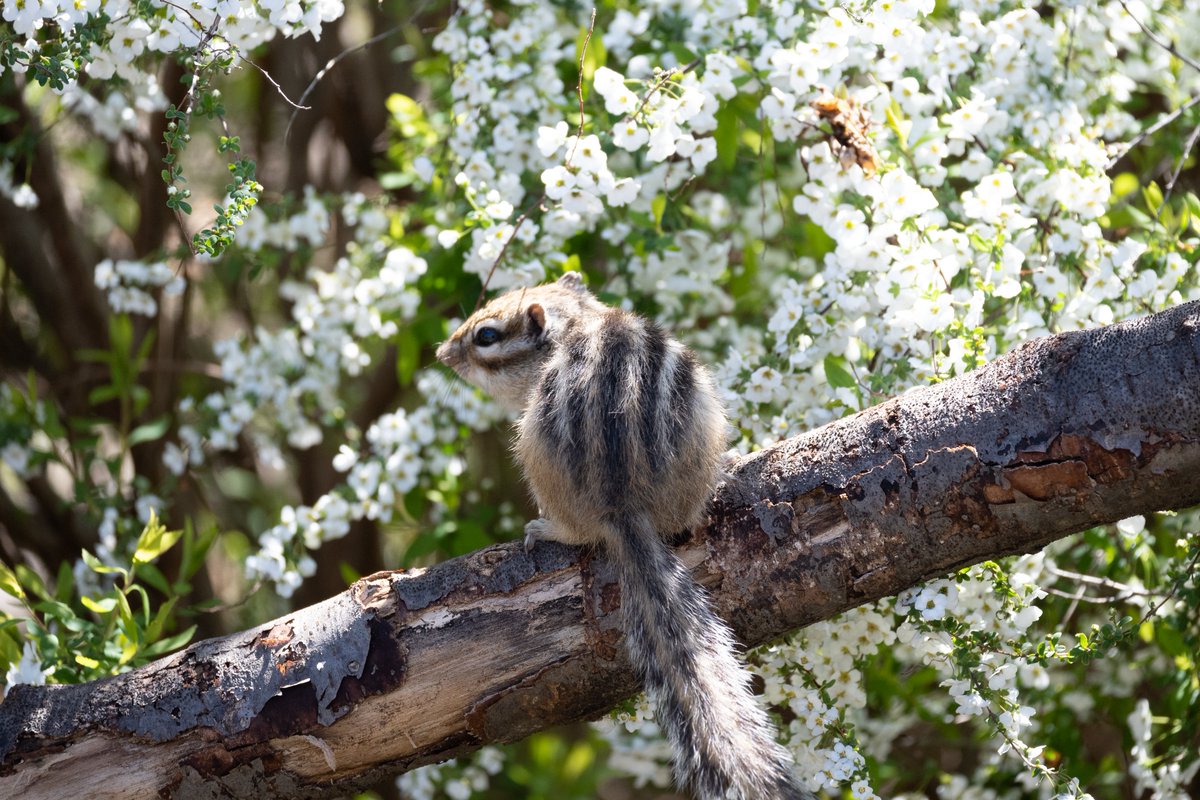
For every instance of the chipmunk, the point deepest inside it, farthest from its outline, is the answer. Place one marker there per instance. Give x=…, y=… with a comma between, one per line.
x=621, y=437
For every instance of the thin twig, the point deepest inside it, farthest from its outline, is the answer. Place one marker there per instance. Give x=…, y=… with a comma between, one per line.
x=296, y=105
x=1106, y=583
x=500, y=256
x=1171, y=594
x=1080, y=595
x=662, y=81
x=199, y=23
x=1170, y=187
x=210, y=32
x=542, y=197
x=1164, y=44
x=330, y=64
x=1153, y=129
x=1072, y=23
x=1170, y=48
x=579, y=87
x=333, y=62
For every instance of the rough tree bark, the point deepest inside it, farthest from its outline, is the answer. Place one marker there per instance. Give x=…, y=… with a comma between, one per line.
x=408, y=668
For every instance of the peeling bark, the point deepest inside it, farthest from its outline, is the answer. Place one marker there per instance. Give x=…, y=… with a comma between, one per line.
x=408, y=668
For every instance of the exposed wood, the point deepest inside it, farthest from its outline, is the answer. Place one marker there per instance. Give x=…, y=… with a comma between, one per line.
x=408, y=668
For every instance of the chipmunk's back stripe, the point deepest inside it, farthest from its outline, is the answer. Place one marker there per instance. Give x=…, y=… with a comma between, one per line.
x=573, y=387
x=652, y=405
x=683, y=399
x=548, y=410
x=620, y=349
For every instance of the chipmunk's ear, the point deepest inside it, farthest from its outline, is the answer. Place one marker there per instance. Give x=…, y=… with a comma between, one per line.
x=572, y=280
x=535, y=319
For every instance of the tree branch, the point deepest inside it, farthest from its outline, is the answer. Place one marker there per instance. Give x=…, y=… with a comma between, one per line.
x=408, y=668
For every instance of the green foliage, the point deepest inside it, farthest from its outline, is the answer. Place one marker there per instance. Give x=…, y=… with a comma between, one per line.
x=243, y=195
x=108, y=618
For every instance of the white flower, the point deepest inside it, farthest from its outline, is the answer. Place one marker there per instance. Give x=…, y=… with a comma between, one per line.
x=703, y=154
x=559, y=182
x=900, y=197
x=662, y=142
x=586, y=154
x=346, y=458
x=27, y=669
x=1132, y=525
x=996, y=188
x=401, y=267
x=763, y=385
x=610, y=85
x=933, y=313
x=628, y=136
x=623, y=192
x=778, y=105
x=550, y=140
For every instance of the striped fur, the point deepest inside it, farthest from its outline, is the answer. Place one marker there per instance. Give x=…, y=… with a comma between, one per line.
x=620, y=437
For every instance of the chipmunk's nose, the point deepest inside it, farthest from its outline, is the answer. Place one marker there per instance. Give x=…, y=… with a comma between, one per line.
x=450, y=353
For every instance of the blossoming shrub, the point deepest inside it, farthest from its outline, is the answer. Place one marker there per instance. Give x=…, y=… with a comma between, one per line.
x=833, y=202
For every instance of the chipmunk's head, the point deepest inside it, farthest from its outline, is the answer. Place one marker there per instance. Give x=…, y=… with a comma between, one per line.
x=502, y=347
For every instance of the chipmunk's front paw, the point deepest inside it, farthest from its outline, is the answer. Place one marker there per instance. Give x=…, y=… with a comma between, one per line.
x=542, y=529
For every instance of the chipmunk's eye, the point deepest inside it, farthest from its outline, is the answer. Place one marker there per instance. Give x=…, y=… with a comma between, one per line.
x=486, y=337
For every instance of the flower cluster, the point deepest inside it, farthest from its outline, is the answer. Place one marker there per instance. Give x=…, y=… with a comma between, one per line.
x=130, y=284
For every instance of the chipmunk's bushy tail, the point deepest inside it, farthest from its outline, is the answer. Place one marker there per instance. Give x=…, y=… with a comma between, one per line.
x=721, y=736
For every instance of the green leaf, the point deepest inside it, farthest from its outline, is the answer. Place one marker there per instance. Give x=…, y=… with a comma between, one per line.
x=1193, y=204
x=195, y=548
x=837, y=374
x=102, y=394
x=154, y=541
x=9, y=583
x=155, y=628
x=421, y=545
x=897, y=122
x=154, y=577
x=727, y=135
x=32, y=581
x=96, y=565
x=170, y=643
x=150, y=431
x=102, y=606
x=129, y=649
x=84, y=661
x=126, y=613
x=60, y=612
x=64, y=583
x=1153, y=196
x=99, y=356
x=658, y=207
x=142, y=593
